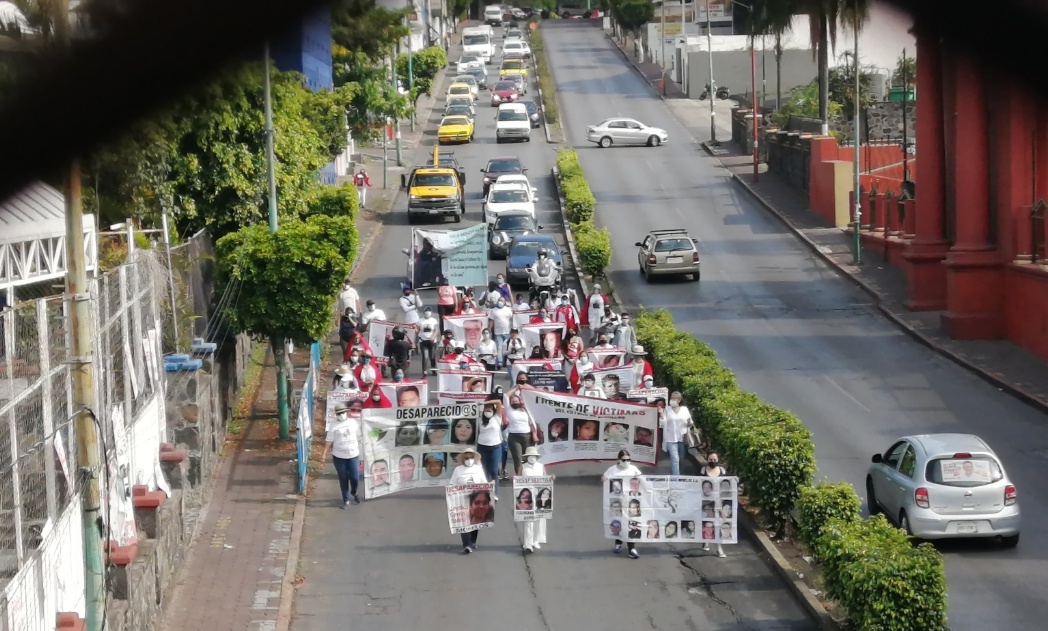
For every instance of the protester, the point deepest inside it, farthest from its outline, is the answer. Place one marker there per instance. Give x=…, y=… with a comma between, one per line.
x=641, y=367
x=357, y=344
x=348, y=298
x=398, y=350
x=447, y=300
x=566, y=313
x=590, y=388
x=410, y=303
x=534, y=531
x=427, y=340
x=624, y=468
x=520, y=428
x=469, y=472
x=581, y=367
x=713, y=469
x=676, y=422
x=502, y=324
x=344, y=447
x=489, y=441
x=521, y=304
x=348, y=323
x=488, y=351
x=625, y=336
x=377, y=399
x=513, y=350
x=593, y=312
x=367, y=375
x=363, y=183
x=344, y=379
x=372, y=312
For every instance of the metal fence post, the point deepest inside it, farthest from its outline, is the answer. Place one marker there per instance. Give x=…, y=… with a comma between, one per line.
x=46, y=409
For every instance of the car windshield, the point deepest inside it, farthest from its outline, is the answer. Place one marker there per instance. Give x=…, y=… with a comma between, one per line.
x=459, y=101
x=474, y=40
x=530, y=106
x=976, y=470
x=459, y=89
x=528, y=251
x=519, y=222
x=510, y=196
x=513, y=115
x=459, y=110
x=465, y=78
x=433, y=179
x=469, y=59
x=673, y=245
x=506, y=86
x=455, y=120
x=512, y=65
x=504, y=166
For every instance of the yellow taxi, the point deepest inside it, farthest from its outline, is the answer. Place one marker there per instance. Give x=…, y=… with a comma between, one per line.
x=460, y=90
x=455, y=129
x=513, y=66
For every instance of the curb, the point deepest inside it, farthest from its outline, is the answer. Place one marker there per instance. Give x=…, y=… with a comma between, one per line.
x=984, y=374
x=287, y=586
x=633, y=65
x=545, y=123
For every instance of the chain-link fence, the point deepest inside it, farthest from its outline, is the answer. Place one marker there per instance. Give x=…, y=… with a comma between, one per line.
x=193, y=279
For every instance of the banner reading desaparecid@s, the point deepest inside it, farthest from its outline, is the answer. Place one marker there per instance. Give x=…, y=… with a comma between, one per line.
x=583, y=428
x=470, y=506
x=415, y=447
x=532, y=497
x=672, y=509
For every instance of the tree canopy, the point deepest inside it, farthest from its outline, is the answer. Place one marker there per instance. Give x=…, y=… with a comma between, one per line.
x=632, y=14
x=286, y=281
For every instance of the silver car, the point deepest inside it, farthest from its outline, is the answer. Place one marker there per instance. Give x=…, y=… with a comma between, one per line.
x=665, y=252
x=625, y=131
x=939, y=486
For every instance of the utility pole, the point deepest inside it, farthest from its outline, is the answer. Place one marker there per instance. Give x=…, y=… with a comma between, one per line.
x=905, y=125
x=857, y=217
x=662, y=60
x=755, y=110
x=88, y=453
x=411, y=62
x=713, y=88
x=396, y=122
x=276, y=344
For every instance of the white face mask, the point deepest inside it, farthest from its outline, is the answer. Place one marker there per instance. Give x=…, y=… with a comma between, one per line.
x=532, y=459
x=469, y=462
x=343, y=416
x=675, y=403
x=623, y=464
x=489, y=414
x=371, y=308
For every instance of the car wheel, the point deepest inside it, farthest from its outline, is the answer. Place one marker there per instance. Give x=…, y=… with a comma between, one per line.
x=605, y=142
x=458, y=217
x=653, y=141
x=871, y=498
x=498, y=141
x=647, y=275
x=411, y=219
x=695, y=276
x=904, y=523
x=1010, y=542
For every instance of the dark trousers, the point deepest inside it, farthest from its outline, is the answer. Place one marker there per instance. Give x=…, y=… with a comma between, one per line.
x=348, y=470
x=428, y=348
x=469, y=539
x=629, y=544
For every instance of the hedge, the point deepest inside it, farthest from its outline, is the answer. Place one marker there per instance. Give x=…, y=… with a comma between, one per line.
x=592, y=243
x=870, y=568
x=549, y=92
x=336, y=201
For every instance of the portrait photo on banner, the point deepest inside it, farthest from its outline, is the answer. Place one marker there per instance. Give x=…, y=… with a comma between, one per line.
x=464, y=381
x=406, y=394
x=470, y=506
x=527, y=365
x=414, y=447
x=607, y=357
x=467, y=328
x=615, y=382
x=532, y=497
x=584, y=428
x=671, y=509
x=381, y=331
x=355, y=401
x=546, y=338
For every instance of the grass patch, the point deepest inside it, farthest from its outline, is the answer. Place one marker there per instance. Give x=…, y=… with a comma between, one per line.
x=549, y=93
x=252, y=382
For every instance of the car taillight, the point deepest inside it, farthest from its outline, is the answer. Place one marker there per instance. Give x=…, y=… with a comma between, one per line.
x=1011, y=496
x=652, y=259
x=920, y=497
x=694, y=257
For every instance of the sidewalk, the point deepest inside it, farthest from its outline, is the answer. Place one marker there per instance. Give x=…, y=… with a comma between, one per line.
x=651, y=71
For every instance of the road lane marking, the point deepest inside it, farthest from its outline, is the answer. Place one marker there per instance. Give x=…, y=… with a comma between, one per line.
x=845, y=392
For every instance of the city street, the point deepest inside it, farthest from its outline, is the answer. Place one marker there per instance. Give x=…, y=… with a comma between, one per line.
x=392, y=564
x=792, y=330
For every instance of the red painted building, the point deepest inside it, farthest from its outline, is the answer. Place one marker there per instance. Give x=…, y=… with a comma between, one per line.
x=978, y=251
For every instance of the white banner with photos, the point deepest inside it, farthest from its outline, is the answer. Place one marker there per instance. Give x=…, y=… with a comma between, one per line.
x=470, y=506
x=464, y=381
x=526, y=365
x=415, y=447
x=610, y=357
x=381, y=331
x=532, y=497
x=520, y=318
x=581, y=428
x=672, y=509
x=545, y=337
x=650, y=396
x=615, y=382
x=354, y=399
x=467, y=329
x=407, y=393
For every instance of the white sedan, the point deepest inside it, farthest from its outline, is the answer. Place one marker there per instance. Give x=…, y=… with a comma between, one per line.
x=466, y=62
x=625, y=131
x=509, y=195
x=516, y=46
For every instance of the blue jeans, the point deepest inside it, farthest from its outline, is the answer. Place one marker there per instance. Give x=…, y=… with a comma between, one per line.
x=348, y=470
x=501, y=339
x=676, y=455
x=505, y=454
x=491, y=459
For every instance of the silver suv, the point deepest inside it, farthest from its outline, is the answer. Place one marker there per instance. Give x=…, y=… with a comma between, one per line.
x=668, y=252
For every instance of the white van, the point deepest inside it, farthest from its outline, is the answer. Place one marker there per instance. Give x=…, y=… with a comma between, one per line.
x=512, y=123
x=493, y=15
x=477, y=40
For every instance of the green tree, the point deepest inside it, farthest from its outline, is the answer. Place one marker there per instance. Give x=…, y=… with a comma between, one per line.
x=425, y=64
x=632, y=14
x=905, y=71
x=326, y=111
x=842, y=86
x=361, y=26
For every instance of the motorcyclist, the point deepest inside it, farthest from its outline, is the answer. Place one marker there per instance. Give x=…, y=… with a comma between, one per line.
x=544, y=274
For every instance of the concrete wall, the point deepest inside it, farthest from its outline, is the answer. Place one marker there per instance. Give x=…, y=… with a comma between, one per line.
x=732, y=68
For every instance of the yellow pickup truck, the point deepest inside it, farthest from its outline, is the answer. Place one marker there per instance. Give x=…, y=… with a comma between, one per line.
x=435, y=191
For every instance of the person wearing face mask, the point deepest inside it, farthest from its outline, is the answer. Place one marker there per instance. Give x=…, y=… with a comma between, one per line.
x=582, y=366
x=590, y=388
x=641, y=367
x=468, y=307
x=459, y=357
x=347, y=326
x=521, y=304
x=356, y=344
x=377, y=399
x=488, y=351
x=593, y=313
x=566, y=313
x=539, y=317
x=503, y=287
x=713, y=469
x=398, y=375
x=603, y=342
x=344, y=380
x=343, y=443
x=427, y=340
x=502, y=324
x=609, y=324
x=624, y=468
x=534, y=532
x=372, y=312
x=513, y=349
x=447, y=299
x=447, y=345
x=520, y=429
x=490, y=296
x=354, y=359
x=410, y=303
x=625, y=336
x=676, y=422
x=498, y=393
x=469, y=472
x=398, y=350
x=349, y=298
x=366, y=373
x=573, y=345
x=489, y=440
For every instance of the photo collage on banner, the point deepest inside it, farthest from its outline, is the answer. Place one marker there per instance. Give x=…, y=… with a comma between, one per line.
x=545, y=337
x=381, y=331
x=672, y=509
x=405, y=394
x=607, y=357
x=532, y=497
x=415, y=447
x=467, y=329
x=464, y=381
x=615, y=382
x=355, y=401
x=470, y=506
x=581, y=428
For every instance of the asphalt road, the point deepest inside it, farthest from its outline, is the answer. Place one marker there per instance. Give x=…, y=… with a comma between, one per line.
x=391, y=564
x=793, y=331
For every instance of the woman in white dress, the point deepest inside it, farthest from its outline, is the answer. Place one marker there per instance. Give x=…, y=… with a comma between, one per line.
x=534, y=532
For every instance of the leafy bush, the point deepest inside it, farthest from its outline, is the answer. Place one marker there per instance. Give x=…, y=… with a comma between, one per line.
x=546, y=87
x=593, y=244
x=336, y=201
x=579, y=201
x=425, y=64
x=880, y=579
x=594, y=248
x=568, y=164
x=820, y=504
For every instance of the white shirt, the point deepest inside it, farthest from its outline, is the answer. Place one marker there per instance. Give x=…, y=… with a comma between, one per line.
x=625, y=337
x=368, y=316
x=676, y=423
x=348, y=298
x=468, y=475
x=368, y=374
x=519, y=421
x=533, y=469
x=630, y=471
x=522, y=306
x=487, y=347
x=410, y=305
x=597, y=392
x=583, y=368
x=433, y=326
x=514, y=346
x=490, y=435
x=344, y=438
x=502, y=319
x=595, y=313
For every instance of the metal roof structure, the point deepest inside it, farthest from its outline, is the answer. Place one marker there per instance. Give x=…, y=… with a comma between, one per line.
x=32, y=237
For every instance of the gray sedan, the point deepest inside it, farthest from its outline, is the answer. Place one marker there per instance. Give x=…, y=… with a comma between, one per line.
x=625, y=131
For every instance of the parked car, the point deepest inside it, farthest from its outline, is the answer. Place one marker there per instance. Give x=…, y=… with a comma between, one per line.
x=524, y=251
x=938, y=486
x=625, y=131
x=508, y=225
x=668, y=252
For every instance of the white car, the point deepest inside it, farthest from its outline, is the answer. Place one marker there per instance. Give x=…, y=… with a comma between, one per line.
x=516, y=46
x=469, y=80
x=466, y=62
x=512, y=122
x=625, y=131
x=509, y=194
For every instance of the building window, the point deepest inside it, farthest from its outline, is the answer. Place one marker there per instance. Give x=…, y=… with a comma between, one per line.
x=1037, y=231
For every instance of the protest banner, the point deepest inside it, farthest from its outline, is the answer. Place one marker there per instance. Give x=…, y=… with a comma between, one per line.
x=407, y=393
x=615, y=382
x=549, y=380
x=444, y=398
x=414, y=447
x=467, y=328
x=672, y=509
x=521, y=318
x=452, y=257
x=355, y=399
x=381, y=331
x=470, y=506
x=546, y=337
x=607, y=357
x=650, y=396
x=533, y=497
x=463, y=381
x=527, y=365
x=581, y=428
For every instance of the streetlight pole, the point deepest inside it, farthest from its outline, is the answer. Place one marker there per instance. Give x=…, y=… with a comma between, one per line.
x=713, y=88
x=411, y=62
x=662, y=60
x=755, y=109
x=857, y=217
x=905, y=124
